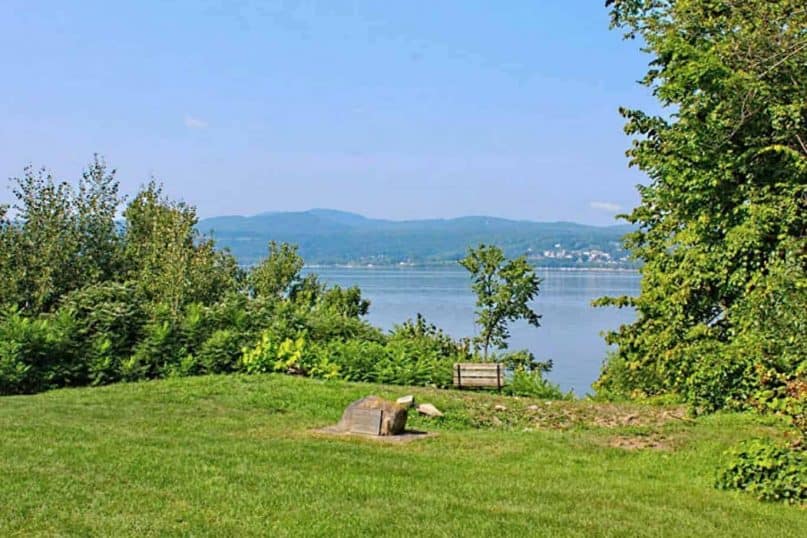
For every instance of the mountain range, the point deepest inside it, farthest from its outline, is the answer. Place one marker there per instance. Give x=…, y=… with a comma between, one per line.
x=331, y=237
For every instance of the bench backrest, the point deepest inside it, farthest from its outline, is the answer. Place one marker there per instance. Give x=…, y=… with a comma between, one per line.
x=478, y=375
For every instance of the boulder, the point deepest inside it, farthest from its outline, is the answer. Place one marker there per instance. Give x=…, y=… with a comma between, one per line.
x=429, y=410
x=373, y=416
x=407, y=401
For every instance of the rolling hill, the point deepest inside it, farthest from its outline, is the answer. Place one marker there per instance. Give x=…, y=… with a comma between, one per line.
x=327, y=236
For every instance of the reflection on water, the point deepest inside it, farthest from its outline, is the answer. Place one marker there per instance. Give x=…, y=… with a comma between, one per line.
x=570, y=332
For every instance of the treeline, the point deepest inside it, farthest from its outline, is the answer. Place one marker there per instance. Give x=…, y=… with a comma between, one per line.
x=87, y=298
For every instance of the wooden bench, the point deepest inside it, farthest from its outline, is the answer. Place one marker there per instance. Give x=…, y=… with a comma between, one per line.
x=476, y=375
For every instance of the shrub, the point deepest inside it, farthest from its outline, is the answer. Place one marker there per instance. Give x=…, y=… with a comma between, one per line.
x=37, y=353
x=527, y=377
x=534, y=384
x=721, y=380
x=220, y=352
x=158, y=352
x=400, y=362
x=272, y=355
x=769, y=471
x=109, y=322
x=357, y=360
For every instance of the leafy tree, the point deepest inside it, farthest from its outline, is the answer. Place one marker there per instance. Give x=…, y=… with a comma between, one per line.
x=46, y=240
x=278, y=272
x=10, y=274
x=347, y=302
x=99, y=237
x=504, y=289
x=60, y=239
x=171, y=263
x=726, y=200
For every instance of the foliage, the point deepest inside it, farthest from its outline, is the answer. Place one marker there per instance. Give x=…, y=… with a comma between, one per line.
x=767, y=470
x=527, y=377
x=504, y=289
x=37, y=353
x=88, y=300
x=403, y=358
x=278, y=272
x=432, y=336
x=722, y=225
x=220, y=352
x=534, y=384
x=346, y=302
x=109, y=319
x=167, y=259
x=59, y=239
x=270, y=355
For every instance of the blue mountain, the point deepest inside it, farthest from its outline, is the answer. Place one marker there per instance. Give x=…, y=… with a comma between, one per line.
x=328, y=236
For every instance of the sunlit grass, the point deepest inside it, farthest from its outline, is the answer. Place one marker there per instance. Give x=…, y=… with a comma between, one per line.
x=235, y=455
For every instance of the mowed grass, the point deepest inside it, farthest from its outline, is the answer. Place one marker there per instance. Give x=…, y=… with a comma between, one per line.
x=235, y=456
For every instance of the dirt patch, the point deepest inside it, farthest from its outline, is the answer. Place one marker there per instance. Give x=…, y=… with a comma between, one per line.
x=562, y=415
x=652, y=442
x=614, y=416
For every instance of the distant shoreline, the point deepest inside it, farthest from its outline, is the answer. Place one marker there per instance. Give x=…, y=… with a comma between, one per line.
x=450, y=266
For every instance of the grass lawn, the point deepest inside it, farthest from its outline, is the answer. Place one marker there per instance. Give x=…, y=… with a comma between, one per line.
x=235, y=456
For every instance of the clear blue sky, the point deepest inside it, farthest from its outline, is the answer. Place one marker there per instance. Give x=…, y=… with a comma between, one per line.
x=391, y=109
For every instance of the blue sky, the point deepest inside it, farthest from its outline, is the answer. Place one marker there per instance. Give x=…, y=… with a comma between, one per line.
x=390, y=109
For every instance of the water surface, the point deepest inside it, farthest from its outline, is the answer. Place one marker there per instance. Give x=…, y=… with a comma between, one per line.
x=570, y=332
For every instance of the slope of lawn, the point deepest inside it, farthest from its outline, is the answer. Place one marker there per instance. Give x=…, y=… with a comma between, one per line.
x=235, y=456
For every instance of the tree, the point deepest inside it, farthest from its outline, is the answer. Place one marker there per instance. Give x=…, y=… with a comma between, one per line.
x=504, y=289
x=347, y=302
x=46, y=240
x=60, y=239
x=276, y=275
x=99, y=237
x=725, y=205
x=168, y=259
x=10, y=274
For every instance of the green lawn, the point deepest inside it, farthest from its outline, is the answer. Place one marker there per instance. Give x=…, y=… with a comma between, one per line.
x=235, y=456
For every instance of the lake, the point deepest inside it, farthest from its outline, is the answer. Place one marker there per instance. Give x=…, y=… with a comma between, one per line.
x=570, y=332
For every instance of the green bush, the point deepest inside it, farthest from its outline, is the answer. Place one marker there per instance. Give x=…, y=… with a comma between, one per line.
x=220, y=353
x=38, y=353
x=535, y=385
x=527, y=376
x=158, y=352
x=109, y=321
x=274, y=355
x=721, y=380
x=357, y=360
x=769, y=471
x=398, y=362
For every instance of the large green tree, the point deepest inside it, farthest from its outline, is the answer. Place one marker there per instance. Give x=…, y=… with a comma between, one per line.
x=723, y=214
x=173, y=264
x=58, y=239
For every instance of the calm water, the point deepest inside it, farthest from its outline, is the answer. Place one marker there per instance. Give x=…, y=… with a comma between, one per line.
x=570, y=328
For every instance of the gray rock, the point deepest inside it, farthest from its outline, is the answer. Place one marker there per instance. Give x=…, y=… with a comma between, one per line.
x=532, y=407
x=357, y=419
x=407, y=401
x=500, y=408
x=429, y=410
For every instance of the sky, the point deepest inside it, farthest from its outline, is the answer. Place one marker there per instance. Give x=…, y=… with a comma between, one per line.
x=402, y=110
